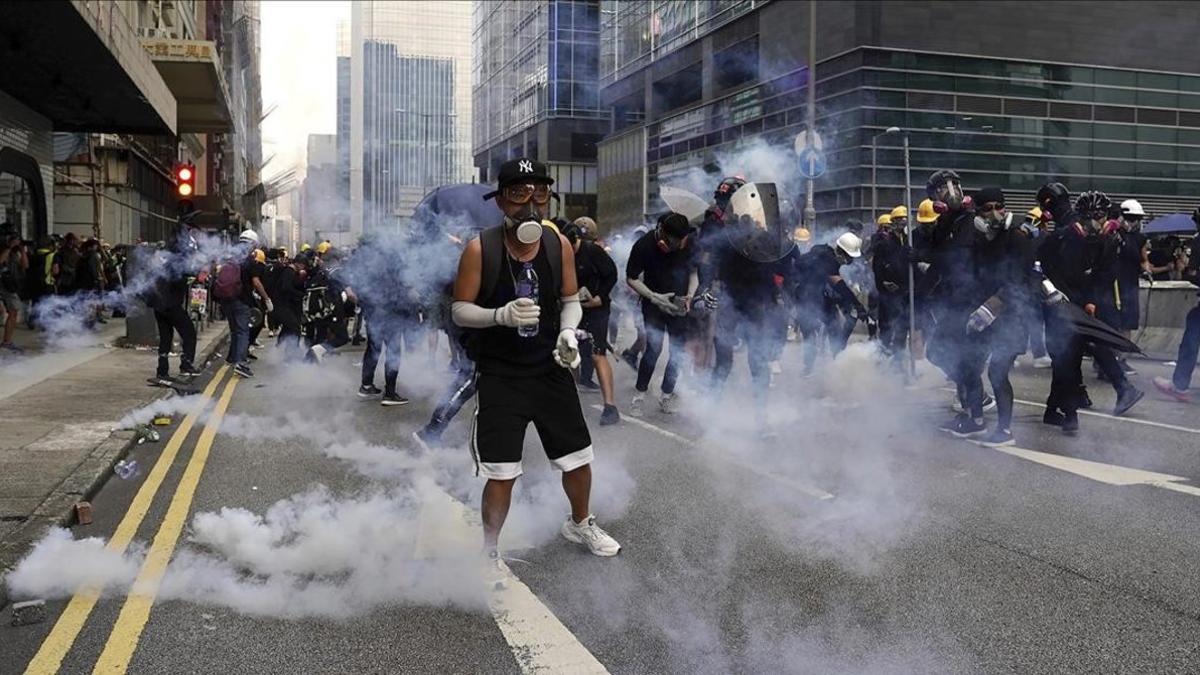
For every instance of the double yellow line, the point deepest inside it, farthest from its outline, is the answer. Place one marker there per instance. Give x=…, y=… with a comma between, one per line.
x=136, y=611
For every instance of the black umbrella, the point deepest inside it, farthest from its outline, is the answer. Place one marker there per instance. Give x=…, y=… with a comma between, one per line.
x=1094, y=330
x=458, y=208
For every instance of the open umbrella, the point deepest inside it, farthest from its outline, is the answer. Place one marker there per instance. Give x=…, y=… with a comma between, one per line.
x=1173, y=223
x=457, y=208
x=1094, y=330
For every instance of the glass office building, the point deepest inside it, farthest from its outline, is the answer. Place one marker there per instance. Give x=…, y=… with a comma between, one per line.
x=536, y=92
x=1010, y=122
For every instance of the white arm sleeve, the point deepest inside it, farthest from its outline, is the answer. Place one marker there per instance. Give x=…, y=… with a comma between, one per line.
x=571, y=314
x=470, y=315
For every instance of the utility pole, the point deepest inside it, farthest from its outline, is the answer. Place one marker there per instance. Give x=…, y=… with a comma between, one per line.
x=810, y=211
x=96, y=212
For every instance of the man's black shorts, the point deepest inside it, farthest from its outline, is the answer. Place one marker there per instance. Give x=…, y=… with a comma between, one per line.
x=595, y=322
x=506, y=407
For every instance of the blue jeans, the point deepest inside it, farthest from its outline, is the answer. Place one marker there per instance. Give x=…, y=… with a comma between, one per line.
x=238, y=315
x=1185, y=362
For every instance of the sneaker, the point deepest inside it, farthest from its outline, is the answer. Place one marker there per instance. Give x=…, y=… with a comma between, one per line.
x=10, y=347
x=1126, y=368
x=776, y=368
x=163, y=381
x=392, y=398
x=495, y=571
x=1043, y=362
x=251, y=357
x=953, y=424
x=427, y=439
x=1085, y=401
x=369, y=391
x=243, y=370
x=967, y=427
x=989, y=404
x=669, y=403
x=1168, y=387
x=637, y=404
x=609, y=416
x=189, y=370
x=998, y=438
x=1070, y=425
x=257, y=344
x=589, y=534
x=630, y=358
x=1053, y=417
x=588, y=386
x=315, y=354
x=1127, y=399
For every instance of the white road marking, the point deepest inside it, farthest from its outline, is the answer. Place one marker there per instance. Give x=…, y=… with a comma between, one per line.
x=815, y=493
x=540, y=643
x=1111, y=474
x=1132, y=420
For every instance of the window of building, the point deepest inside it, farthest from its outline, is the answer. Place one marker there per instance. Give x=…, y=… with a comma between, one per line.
x=1108, y=113
x=1113, y=132
x=927, y=101
x=979, y=104
x=1071, y=110
x=1113, y=150
x=679, y=89
x=736, y=64
x=1013, y=106
x=1152, y=116
x=1119, y=96
x=1189, y=119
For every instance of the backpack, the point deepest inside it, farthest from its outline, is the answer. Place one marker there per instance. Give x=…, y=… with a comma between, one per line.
x=317, y=303
x=229, y=281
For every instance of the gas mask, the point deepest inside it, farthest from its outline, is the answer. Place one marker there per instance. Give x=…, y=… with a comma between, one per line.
x=948, y=197
x=527, y=225
x=992, y=224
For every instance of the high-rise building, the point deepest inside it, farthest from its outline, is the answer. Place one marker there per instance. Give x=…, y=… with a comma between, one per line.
x=321, y=204
x=536, y=65
x=1037, y=94
x=404, y=112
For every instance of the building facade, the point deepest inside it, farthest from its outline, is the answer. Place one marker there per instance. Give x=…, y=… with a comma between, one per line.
x=404, y=112
x=535, y=93
x=1024, y=103
x=321, y=204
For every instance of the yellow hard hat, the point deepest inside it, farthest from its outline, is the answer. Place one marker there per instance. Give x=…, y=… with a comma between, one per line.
x=885, y=219
x=801, y=234
x=550, y=224
x=323, y=247
x=900, y=212
x=925, y=212
x=305, y=247
x=1035, y=213
x=260, y=256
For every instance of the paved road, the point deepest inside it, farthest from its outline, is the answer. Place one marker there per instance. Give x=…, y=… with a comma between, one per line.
x=858, y=540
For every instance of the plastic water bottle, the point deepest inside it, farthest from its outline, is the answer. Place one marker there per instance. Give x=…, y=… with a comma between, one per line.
x=126, y=468
x=527, y=287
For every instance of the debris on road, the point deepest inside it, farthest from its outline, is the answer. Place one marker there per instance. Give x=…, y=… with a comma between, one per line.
x=28, y=612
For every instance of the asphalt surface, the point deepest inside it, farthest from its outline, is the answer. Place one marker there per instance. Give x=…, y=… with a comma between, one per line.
x=857, y=539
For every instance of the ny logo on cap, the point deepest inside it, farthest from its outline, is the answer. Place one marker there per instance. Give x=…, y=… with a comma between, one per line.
x=525, y=166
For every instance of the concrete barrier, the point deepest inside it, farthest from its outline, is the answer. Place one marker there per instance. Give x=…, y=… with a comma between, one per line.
x=1164, y=307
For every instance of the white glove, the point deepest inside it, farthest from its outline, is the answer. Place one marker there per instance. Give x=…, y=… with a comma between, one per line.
x=566, y=353
x=270, y=306
x=922, y=267
x=584, y=294
x=519, y=313
x=891, y=286
x=980, y=319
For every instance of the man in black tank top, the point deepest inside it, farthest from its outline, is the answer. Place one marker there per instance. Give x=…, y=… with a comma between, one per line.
x=524, y=343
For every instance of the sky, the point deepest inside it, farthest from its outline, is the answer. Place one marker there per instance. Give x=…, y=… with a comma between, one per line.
x=299, y=74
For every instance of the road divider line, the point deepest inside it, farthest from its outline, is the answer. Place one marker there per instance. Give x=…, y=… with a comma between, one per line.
x=815, y=493
x=1132, y=420
x=50, y=655
x=1111, y=474
x=540, y=643
x=123, y=640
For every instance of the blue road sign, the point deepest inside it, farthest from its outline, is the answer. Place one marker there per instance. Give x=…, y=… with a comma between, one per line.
x=812, y=162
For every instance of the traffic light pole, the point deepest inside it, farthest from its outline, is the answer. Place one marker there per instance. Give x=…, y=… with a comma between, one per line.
x=97, y=214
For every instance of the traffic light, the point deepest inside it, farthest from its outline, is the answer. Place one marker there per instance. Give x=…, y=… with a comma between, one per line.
x=185, y=180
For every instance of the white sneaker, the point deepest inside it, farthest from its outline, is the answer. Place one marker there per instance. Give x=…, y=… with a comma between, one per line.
x=776, y=368
x=589, y=533
x=636, y=406
x=669, y=403
x=1042, y=362
x=495, y=571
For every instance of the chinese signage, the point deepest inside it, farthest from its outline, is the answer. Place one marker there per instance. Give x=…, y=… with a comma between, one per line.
x=200, y=50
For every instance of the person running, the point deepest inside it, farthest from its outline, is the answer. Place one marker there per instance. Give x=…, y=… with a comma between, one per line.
x=516, y=290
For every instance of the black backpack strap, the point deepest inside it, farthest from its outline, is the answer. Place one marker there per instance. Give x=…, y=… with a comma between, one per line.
x=553, y=247
x=491, y=243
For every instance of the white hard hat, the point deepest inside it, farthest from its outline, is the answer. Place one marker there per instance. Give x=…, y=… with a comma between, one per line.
x=851, y=244
x=249, y=235
x=1132, y=207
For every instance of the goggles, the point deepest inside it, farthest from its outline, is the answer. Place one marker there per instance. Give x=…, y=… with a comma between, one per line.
x=991, y=206
x=521, y=194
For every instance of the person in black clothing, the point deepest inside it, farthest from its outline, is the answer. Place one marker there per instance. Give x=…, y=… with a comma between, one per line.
x=1131, y=267
x=597, y=276
x=890, y=256
x=953, y=293
x=329, y=331
x=1004, y=257
x=289, y=299
x=662, y=270
x=1069, y=257
x=1178, y=386
x=390, y=308
x=822, y=296
x=167, y=274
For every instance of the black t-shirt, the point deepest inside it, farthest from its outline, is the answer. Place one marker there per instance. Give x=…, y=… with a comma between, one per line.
x=1129, y=259
x=661, y=272
x=596, y=271
x=749, y=285
x=251, y=270
x=499, y=350
x=814, y=268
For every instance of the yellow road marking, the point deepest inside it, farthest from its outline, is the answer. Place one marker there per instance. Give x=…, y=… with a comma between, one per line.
x=54, y=648
x=136, y=612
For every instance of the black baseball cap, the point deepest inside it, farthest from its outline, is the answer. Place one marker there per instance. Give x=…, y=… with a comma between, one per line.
x=520, y=170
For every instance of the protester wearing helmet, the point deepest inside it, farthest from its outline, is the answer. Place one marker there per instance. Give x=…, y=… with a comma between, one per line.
x=239, y=288
x=890, y=255
x=820, y=292
x=1132, y=265
x=327, y=296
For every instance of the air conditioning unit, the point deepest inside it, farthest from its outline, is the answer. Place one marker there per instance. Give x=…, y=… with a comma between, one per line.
x=150, y=32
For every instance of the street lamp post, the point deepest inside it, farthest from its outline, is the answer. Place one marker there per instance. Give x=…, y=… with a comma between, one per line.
x=874, y=163
x=908, y=230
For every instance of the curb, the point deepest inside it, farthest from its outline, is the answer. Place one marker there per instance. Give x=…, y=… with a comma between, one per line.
x=87, y=479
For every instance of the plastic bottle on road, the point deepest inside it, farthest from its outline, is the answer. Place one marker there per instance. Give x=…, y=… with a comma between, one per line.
x=126, y=468
x=527, y=287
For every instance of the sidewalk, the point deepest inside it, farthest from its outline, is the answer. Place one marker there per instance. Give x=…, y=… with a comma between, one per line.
x=58, y=410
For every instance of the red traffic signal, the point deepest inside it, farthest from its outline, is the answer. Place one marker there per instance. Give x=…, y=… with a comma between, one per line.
x=185, y=179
